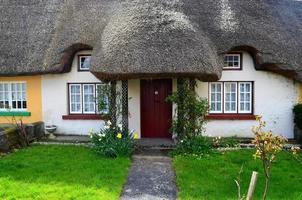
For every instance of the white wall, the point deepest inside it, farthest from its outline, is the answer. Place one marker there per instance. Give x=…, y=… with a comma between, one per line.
x=55, y=100
x=134, y=106
x=274, y=98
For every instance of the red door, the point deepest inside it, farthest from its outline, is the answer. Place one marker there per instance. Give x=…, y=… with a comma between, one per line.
x=156, y=112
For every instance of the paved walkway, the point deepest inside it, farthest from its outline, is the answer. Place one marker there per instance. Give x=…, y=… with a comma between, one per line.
x=151, y=177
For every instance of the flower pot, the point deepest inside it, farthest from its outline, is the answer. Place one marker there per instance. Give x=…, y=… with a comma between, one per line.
x=51, y=129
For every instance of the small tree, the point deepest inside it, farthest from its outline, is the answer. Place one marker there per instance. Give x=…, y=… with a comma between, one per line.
x=267, y=147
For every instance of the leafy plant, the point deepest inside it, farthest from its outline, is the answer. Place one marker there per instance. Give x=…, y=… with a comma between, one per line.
x=110, y=141
x=190, y=112
x=298, y=115
x=267, y=147
x=198, y=145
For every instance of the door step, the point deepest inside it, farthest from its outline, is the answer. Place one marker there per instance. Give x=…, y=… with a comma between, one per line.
x=155, y=143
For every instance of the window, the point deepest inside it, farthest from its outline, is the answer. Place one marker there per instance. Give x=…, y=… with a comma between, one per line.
x=84, y=62
x=75, y=98
x=13, y=96
x=231, y=97
x=232, y=61
x=83, y=98
x=104, y=98
x=245, y=97
x=215, y=97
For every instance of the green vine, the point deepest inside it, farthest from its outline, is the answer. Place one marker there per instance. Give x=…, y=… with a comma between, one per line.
x=191, y=111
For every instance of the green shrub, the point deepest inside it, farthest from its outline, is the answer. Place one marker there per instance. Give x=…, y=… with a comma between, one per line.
x=298, y=115
x=110, y=142
x=198, y=145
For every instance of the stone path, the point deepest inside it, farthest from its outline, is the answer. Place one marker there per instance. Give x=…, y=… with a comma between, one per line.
x=151, y=177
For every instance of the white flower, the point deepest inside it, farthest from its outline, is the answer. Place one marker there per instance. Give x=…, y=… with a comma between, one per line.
x=91, y=131
x=120, y=126
x=109, y=123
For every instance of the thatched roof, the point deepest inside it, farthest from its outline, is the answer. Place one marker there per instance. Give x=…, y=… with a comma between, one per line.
x=149, y=38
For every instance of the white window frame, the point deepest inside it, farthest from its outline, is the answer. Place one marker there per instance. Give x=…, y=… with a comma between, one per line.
x=224, y=97
x=221, y=98
x=70, y=102
x=10, y=98
x=232, y=67
x=250, y=100
x=237, y=94
x=80, y=62
x=83, y=98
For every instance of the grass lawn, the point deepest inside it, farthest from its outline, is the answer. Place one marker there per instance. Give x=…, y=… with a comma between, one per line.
x=213, y=177
x=61, y=172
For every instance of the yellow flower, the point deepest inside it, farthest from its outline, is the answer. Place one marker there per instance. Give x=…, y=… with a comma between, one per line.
x=295, y=150
x=119, y=136
x=135, y=136
x=258, y=117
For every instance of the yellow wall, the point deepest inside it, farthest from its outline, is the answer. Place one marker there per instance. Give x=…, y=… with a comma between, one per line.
x=34, y=98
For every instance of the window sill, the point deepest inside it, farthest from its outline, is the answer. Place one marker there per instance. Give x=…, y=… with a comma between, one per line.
x=85, y=117
x=231, y=117
x=15, y=113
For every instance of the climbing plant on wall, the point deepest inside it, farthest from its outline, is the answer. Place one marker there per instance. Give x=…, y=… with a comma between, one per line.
x=190, y=110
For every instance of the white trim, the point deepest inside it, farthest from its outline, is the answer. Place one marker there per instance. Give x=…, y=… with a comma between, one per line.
x=80, y=62
x=70, y=102
x=224, y=97
x=250, y=99
x=83, y=98
x=221, y=97
x=10, y=95
x=232, y=67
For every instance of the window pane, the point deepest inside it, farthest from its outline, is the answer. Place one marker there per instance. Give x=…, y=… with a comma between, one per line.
x=13, y=95
x=245, y=97
x=230, y=97
x=89, y=98
x=75, y=98
x=215, y=97
x=85, y=62
x=232, y=61
x=219, y=106
x=101, y=95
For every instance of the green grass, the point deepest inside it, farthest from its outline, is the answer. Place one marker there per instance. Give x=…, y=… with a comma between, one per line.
x=61, y=172
x=213, y=177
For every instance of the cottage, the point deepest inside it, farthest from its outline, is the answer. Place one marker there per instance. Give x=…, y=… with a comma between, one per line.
x=245, y=57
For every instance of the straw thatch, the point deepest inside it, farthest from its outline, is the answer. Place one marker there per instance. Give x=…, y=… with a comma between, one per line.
x=149, y=38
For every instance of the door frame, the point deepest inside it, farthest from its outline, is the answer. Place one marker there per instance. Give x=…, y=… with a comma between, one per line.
x=141, y=104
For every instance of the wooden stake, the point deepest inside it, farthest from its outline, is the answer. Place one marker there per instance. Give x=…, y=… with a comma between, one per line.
x=252, y=186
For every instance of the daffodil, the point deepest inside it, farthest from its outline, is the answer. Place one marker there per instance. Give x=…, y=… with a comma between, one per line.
x=119, y=136
x=135, y=136
x=258, y=117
